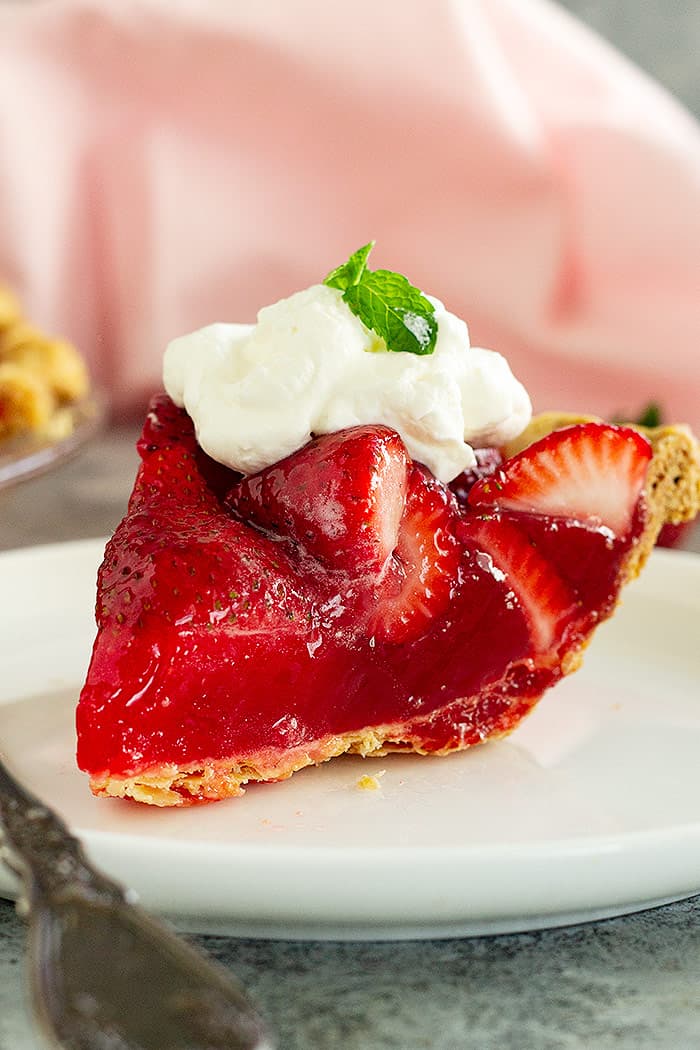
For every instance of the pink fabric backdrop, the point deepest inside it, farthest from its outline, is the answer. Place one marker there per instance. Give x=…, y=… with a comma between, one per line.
x=164, y=164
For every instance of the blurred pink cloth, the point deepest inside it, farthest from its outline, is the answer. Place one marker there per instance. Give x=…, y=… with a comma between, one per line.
x=166, y=164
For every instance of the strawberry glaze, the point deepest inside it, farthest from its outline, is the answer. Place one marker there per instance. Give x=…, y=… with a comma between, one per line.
x=222, y=639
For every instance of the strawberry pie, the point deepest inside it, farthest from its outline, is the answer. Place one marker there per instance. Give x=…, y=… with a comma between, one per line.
x=345, y=598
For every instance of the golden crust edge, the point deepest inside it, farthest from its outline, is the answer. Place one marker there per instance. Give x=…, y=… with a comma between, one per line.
x=672, y=493
x=216, y=779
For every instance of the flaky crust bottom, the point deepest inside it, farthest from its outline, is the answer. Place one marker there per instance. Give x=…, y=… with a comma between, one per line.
x=672, y=494
x=172, y=785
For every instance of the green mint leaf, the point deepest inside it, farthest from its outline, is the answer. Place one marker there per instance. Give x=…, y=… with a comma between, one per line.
x=388, y=304
x=351, y=272
x=651, y=416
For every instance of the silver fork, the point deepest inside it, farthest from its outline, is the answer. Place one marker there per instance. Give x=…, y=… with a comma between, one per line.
x=103, y=974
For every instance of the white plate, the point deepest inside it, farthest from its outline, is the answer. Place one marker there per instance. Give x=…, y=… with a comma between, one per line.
x=591, y=808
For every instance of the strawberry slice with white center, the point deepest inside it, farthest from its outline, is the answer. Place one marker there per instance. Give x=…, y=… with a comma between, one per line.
x=425, y=567
x=593, y=472
x=341, y=497
x=545, y=599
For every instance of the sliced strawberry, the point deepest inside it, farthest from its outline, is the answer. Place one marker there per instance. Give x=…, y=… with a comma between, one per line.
x=591, y=472
x=546, y=601
x=675, y=535
x=172, y=463
x=487, y=461
x=425, y=567
x=153, y=572
x=341, y=496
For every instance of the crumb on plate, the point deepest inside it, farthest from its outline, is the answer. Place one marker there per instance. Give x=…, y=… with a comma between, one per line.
x=370, y=783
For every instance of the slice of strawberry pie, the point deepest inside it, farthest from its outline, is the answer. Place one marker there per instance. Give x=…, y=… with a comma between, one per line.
x=345, y=600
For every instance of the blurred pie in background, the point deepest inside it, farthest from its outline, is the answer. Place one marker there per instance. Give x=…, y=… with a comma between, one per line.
x=41, y=376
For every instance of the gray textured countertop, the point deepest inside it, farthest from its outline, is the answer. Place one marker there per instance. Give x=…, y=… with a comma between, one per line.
x=625, y=983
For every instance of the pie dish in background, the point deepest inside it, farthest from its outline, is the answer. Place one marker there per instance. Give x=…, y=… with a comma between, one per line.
x=47, y=406
x=40, y=375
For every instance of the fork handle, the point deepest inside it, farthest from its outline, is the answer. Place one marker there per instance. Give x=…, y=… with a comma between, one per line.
x=51, y=858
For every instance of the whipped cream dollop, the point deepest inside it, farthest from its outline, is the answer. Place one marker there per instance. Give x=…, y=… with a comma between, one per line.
x=257, y=393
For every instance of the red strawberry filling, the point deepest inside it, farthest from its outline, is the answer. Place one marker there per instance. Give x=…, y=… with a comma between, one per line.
x=346, y=591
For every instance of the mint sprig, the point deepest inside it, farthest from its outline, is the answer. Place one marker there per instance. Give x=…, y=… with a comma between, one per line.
x=651, y=416
x=387, y=303
x=351, y=272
